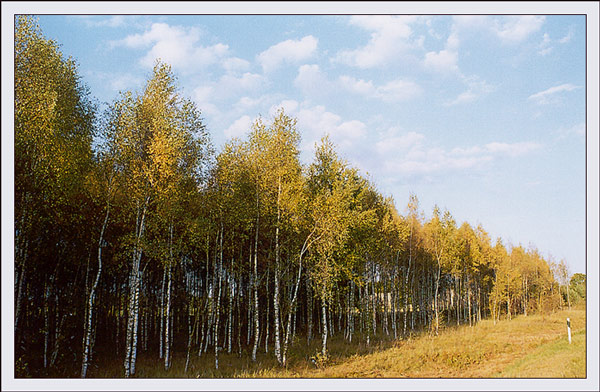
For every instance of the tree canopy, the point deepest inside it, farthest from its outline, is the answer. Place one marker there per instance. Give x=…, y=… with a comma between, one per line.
x=152, y=242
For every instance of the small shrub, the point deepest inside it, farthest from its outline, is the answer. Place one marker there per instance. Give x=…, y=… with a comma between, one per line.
x=320, y=360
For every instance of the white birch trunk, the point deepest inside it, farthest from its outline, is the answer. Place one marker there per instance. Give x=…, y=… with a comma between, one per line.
x=218, y=302
x=168, y=320
x=276, y=287
x=135, y=324
x=230, y=312
x=324, y=322
x=256, y=315
x=267, y=322
x=309, y=300
x=292, y=307
x=162, y=314
x=90, y=304
x=131, y=340
x=437, y=286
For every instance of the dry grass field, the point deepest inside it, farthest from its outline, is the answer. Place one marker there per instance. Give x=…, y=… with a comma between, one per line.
x=530, y=347
x=535, y=346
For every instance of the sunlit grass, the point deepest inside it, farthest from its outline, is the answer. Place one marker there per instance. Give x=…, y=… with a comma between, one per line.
x=485, y=350
x=556, y=359
x=533, y=346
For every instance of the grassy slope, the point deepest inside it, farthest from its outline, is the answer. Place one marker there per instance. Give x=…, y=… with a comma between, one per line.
x=486, y=350
x=533, y=346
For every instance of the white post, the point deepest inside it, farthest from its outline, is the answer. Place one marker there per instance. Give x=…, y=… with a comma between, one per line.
x=569, y=329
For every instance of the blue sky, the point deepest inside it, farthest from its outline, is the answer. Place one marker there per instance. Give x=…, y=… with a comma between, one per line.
x=481, y=115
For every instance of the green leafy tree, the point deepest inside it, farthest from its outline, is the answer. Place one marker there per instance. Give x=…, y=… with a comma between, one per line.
x=330, y=216
x=54, y=127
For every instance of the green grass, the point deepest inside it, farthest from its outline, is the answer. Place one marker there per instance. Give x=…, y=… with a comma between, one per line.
x=544, y=360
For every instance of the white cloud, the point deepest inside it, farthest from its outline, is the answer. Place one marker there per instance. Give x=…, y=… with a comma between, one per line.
x=567, y=38
x=470, y=21
x=230, y=85
x=390, y=36
x=475, y=88
x=517, y=28
x=398, y=90
x=546, y=44
x=235, y=64
x=118, y=81
x=239, y=127
x=549, y=96
x=464, y=97
x=432, y=161
x=352, y=129
x=288, y=106
x=577, y=129
x=102, y=21
x=314, y=122
x=357, y=86
x=513, y=149
x=246, y=103
x=317, y=121
x=453, y=41
x=410, y=155
x=311, y=81
x=545, y=47
x=124, y=82
x=393, y=91
x=175, y=45
x=444, y=61
x=289, y=51
x=398, y=144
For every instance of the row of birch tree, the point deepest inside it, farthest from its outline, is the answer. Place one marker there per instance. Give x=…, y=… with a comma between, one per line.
x=133, y=235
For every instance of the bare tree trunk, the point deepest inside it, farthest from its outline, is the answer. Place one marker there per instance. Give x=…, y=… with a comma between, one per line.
x=309, y=303
x=525, y=298
x=568, y=295
x=58, y=336
x=88, y=327
x=162, y=313
x=437, y=286
x=479, y=303
x=218, y=302
x=324, y=316
x=239, y=320
x=292, y=307
x=249, y=308
x=394, y=299
x=385, y=307
x=469, y=303
x=256, y=318
x=135, y=322
x=373, y=300
x=134, y=280
x=168, y=320
x=267, y=322
x=351, y=310
x=508, y=300
x=191, y=331
x=168, y=312
x=21, y=280
x=457, y=284
x=276, y=275
x=230, y=312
